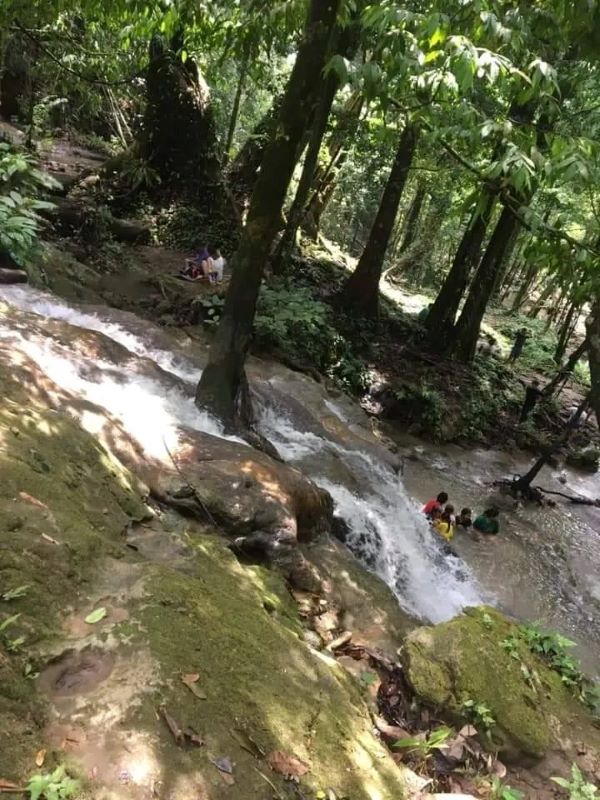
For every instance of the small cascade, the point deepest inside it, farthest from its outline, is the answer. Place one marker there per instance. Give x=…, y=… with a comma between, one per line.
x=148, y=386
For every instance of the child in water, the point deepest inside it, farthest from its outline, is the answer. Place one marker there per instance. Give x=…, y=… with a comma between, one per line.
x=443, y=522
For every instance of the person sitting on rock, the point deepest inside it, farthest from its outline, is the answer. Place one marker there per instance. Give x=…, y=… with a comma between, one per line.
x=196, y=267
x=436, y=503
x=217, y=267
x=488, y=522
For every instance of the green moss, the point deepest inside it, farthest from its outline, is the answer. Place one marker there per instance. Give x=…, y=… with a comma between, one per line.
x=258, y=676
x=464, y=659
x=64, y=503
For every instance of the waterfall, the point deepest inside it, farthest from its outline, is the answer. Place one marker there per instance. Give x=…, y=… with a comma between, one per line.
x=152, y=393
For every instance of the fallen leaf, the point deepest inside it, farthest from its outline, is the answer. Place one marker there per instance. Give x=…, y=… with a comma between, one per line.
x=227, y=779
x=50, y=539
x=96, y=616
x=286, y=764
x=193, y=738
x=222, y=764
x=32, y=500
x=339, y=641
x=499, y=769
x=393, y=731
x=40, y=758
x=172, y=725
x=468, y=730
x=7, y=784
x=190, y=680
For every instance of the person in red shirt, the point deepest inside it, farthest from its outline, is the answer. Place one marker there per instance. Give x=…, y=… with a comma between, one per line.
x=435, y=504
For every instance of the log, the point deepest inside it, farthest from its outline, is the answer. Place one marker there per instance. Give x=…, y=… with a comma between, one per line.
x=12, y=276
x=72, y=215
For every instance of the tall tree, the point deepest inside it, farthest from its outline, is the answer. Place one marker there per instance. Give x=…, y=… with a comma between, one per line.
x=221, y=383
x=361, y=290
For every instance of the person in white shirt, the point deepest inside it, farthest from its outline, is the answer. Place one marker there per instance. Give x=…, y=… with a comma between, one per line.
x=217, y=267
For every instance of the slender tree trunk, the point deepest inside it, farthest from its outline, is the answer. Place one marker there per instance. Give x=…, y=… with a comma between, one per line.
x=412, y=218
x=467, y=328
x=235, y=110
x=593, y=340
x=442, y=315
x=528, y=280
x=324, y=182
x=288, y=240
x=566, y=331
x=361, y=290
x=243, y=171
x=563, y=373
x=524, y=482
x=540, y=303
x=223, y=378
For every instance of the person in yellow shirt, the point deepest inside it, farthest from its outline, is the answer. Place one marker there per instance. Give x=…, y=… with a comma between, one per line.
x=444, y=523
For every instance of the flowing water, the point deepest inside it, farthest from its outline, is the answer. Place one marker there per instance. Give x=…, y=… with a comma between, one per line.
x=146, y=381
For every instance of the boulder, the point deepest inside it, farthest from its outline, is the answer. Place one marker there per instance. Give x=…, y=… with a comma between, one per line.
x=465, y=660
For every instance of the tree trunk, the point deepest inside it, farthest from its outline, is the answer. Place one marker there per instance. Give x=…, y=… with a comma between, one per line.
x=524, y=482
x=528, y=280
x=361, y=290
x=566, y=331
x=243, y=170
x=235, y=110
x=541, y=301
x=286, y=245
x=442, y=315
x=219, y=388
x=593, y=340
x=466, y=332
x=412, y=218
x=325, y=178
x=563, y=373
x=179, y=138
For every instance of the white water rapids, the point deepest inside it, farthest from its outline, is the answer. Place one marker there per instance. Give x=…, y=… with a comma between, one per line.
x=152, y=393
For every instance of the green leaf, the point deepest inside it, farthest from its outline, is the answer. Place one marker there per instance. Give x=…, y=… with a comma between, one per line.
x=96, y=616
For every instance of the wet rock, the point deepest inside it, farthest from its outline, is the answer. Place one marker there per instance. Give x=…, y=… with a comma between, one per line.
x=76, y=672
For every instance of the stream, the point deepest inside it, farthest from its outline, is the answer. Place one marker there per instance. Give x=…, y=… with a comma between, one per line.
x=544, y=566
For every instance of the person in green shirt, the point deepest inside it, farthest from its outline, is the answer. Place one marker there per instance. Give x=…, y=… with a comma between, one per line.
x=487, y=522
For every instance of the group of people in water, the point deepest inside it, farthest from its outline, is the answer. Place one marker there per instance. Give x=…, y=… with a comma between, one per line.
x=206, y=264
x=445, y=521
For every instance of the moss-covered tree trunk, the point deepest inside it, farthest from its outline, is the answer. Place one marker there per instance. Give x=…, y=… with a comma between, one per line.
x=179, y=138
x=442, y=315
x=219, y=388
x=361, y=291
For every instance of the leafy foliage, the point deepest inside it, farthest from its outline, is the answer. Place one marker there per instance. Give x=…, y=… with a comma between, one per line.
x=577, y=787
x=292, y=321
x=479, y=714
x=21, y=184
x=56, y=785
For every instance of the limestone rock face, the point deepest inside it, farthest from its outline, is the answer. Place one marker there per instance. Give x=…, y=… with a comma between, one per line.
x=465, y=660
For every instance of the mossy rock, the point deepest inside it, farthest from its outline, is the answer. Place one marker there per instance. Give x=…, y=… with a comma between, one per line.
x=465, y=660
